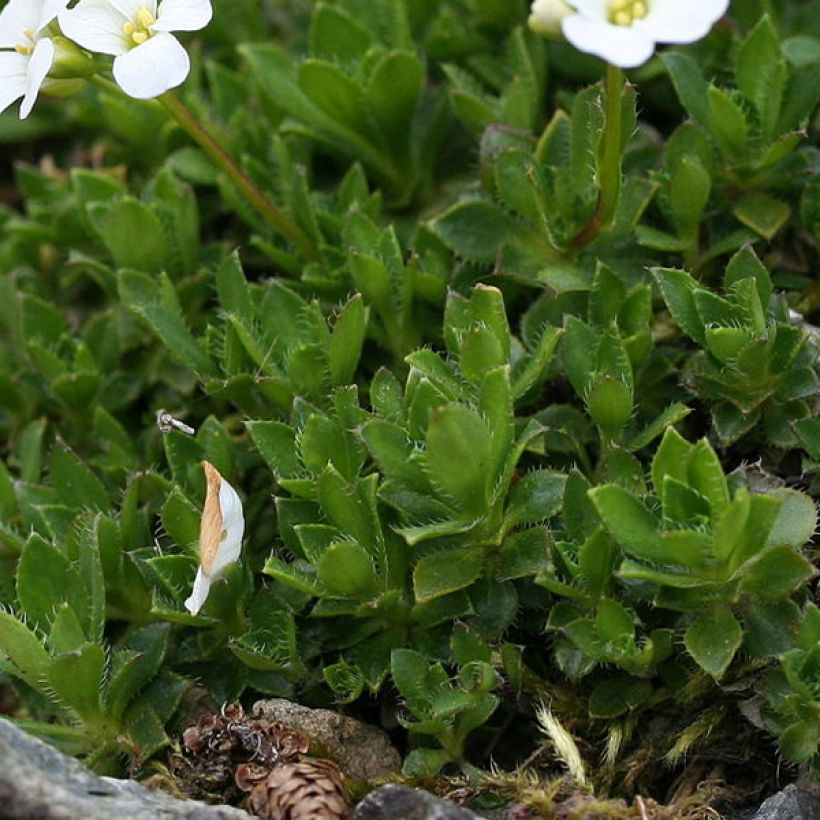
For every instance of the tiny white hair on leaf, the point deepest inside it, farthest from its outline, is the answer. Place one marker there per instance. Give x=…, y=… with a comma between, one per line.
x=220, y=535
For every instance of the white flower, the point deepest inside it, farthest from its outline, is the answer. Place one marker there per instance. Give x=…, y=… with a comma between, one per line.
x=148, y=59
x=26, y=52
x=220, y=534
x=624, y=32
x=546, y=16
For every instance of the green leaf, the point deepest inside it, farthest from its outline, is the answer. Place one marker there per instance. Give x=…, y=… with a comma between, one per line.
x=468, y=646
x=705, y=475
x=119, y=222
x=347, y=569
x=689, y=191
x=276, y=443
x=425, y=763
x=321, y=441
x=537, y=364
x=796, y=521
x=760, y=72
x=614, y=621
x=445, y=571
x=799, y=741
x=609, y=401
x=670, y=416
x=408, y=669
x=180, y=519
x=580, y=341
x=678, y=289
x=632, y=525
x=344, y=508
x=346, y=340
x=712, y=640
x=8, y=497
x=615, y=696
x=580, y=518
x=777, y=573
x=46, y=579
x=476, y=230
x=457, y=435
x=393, y=91
x=480, y=351
x=67, y=633
x=689, y=83
x=232, y=288
x=76, y=485
x=135, y=663
x=728, y=123
x=155, y=304
x=524, y=554
x=764, y=214
x=332, y=92
x=77, y=678
x=336, y=34
x=539, y=495
x=21, y=646
x=769, y=627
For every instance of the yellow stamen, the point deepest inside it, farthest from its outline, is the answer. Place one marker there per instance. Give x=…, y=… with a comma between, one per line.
x=626, y=12
x=26, y=51
x=138, y=30
x=28, y=33
x=145, y=18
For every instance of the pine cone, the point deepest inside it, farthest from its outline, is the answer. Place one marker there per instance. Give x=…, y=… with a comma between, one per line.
x=307, y=790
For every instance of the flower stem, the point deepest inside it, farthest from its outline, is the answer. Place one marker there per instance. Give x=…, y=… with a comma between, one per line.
x=272, y=214
x=609, y=168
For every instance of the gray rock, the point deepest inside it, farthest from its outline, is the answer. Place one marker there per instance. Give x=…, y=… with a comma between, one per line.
x=363, y=752
x=37, y=782
x=793, y=803
x=394, y=802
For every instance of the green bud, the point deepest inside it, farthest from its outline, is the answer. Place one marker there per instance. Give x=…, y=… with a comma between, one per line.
x=70, y=61
x=609, y=401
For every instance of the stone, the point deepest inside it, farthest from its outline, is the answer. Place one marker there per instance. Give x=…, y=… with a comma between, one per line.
x=37, y=782
x=363, y=752
x=393, y=802
x=793, y=803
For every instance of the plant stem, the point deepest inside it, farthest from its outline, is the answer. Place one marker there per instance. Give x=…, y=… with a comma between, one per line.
x=609, y=168
x=272, y=214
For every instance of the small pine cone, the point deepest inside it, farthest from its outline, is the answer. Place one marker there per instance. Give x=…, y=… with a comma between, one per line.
x=307, y=790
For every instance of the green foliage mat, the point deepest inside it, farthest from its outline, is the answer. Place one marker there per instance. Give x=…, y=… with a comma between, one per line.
x=494, y=456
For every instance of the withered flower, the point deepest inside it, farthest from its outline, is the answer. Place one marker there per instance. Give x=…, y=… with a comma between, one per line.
x=220, y=534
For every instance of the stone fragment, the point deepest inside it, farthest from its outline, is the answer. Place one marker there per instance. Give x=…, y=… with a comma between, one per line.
x=793, y=803
x=37, y=782
x=363, y=752
x=393, y=802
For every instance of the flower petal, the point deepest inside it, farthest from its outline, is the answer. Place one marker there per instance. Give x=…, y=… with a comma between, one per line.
x=12, y=77
x=233, y=523
x=671, y=21
x=49, y=11
x=95, y=25
x=39, y=65
x=153, y=68
x=202, y=586
x=623, y=46
x=183, y=15
x=546, y=16
x=18, y=16
x=592, y=8
x=129, y=8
